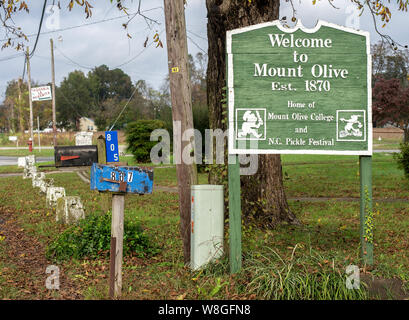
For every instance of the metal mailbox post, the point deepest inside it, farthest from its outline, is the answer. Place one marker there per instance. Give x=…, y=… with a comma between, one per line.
x=119, y=181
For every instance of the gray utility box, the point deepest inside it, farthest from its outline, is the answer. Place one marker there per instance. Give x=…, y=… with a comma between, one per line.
x=207, y=224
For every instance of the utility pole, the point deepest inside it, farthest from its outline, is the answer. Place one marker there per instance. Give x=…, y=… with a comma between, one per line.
x=13, y=127
x=180, y=90
x=20, y=107
x=53, y=93
x=38, y=132
x=29, y=96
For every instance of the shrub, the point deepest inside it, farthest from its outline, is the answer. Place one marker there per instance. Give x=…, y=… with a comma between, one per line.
x=92, y=236
x=138, y=138
x=402, y=158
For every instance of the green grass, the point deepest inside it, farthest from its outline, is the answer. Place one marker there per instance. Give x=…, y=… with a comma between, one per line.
x=342, y=179
x=386, y=144
x=15, y=169
x=25, y=152
x=288, y=262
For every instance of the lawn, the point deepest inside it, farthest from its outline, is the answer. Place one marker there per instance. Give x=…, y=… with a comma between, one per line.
x=386, y=144
x=313, y=256
x=25, y=152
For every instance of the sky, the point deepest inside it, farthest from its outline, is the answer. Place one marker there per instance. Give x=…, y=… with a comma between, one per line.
x=101, y=39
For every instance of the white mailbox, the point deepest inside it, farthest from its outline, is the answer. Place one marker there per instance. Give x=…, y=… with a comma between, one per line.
x=207, y=224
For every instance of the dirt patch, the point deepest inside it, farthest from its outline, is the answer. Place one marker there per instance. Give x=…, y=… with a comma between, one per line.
x=384, y=288
x=26, y=253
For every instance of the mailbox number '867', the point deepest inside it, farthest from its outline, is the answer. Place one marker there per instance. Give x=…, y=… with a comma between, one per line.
x=121, y=176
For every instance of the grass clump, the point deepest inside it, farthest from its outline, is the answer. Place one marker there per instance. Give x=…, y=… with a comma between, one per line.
x=92, y=237
x=273, y=277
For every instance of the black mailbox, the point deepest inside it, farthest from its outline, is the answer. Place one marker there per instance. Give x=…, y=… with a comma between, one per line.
x=75, y=156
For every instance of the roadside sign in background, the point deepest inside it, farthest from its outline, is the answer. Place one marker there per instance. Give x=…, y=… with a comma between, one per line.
x=41, y=93
x=111, y=140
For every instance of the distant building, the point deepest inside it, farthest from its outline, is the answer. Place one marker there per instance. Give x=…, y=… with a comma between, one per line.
x=87, y=124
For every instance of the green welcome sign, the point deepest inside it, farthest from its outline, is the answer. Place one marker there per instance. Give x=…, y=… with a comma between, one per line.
x=299, y=90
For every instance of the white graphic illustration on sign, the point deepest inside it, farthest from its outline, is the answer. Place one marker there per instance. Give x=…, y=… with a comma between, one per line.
x=351, y=125
x=253, y=125
x=349, y=129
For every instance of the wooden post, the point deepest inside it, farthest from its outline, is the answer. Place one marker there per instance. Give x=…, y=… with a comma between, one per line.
x=102, y=155
x=53, y=93
x=30, y=101
x=117, y=236
x=366, y=215
x=20, y=107
x=234, y=214
x=38, y=132
x=180, y=89
x=106, y=198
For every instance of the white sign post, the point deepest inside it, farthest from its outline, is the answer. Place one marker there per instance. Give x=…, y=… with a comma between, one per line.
x=41, y=93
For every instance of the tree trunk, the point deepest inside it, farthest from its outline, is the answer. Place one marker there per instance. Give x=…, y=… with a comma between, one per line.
x=263, y=195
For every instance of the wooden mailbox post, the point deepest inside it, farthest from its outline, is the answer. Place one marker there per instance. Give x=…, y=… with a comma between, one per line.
x=119, y=181
x=299, y=91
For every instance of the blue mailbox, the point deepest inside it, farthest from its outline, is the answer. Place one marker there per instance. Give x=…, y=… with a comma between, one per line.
x=121, y=179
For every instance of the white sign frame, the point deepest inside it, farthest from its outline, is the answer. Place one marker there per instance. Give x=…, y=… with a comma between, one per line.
x=233, y=150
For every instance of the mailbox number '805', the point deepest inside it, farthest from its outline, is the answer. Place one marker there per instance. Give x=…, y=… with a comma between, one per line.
x=112, y=143
x=121, y=176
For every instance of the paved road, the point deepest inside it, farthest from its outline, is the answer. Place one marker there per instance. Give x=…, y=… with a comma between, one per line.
x=11, y=161
x=26, y=148
x=386, y=151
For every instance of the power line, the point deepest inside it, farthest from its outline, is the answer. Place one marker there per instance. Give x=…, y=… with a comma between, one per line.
x=30, y=55
x=82, y=25
x=126, y=104
x=138, y=54
x=69, y=103
x=59, y=60
x=196, y=45
x=79, y=65
x=39, y=28
x=24, y=68
x=12, y=57
x=197, y=35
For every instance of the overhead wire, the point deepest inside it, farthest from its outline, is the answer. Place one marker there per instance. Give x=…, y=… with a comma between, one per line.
x=138, y=54
x=196, y=45
x=30, y=55
x=39, y=29
x=197, y=35
x=72, y=61
x=72, y=27
x=82, y=25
